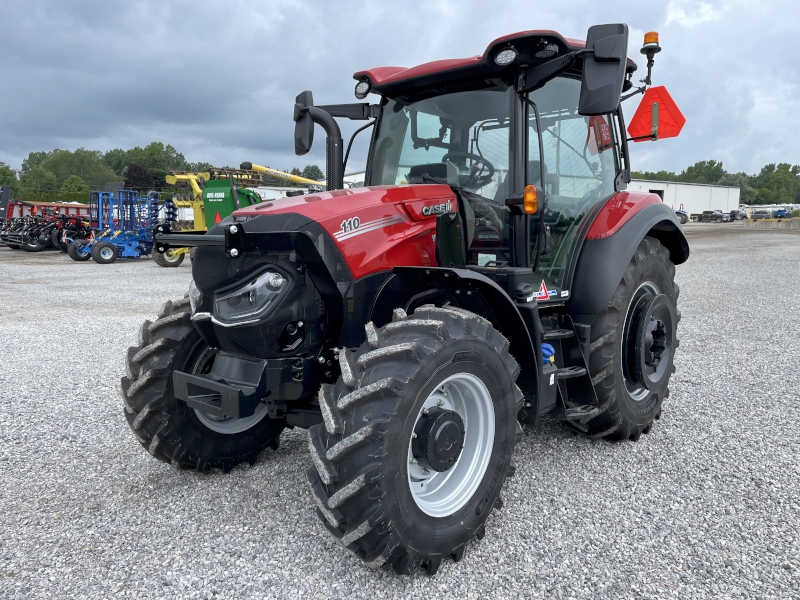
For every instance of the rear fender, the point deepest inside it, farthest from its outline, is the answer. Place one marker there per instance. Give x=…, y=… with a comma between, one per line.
x=411, y=286
x=605, y=256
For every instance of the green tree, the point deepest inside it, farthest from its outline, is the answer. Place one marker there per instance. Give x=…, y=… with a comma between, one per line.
x=777, y=184
x=157, y=158
x=116, y=160
x=313, y=172
x=74, y=185
x=8, y=176
x=198, y=167
x=38, y=180
x=747, y=193
x=704, y=171
x=86, y=164
x=654, y=175
x=138, y=178
x=35, y=159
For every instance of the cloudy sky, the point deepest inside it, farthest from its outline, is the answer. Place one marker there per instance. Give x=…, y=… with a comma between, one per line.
x=217, y=78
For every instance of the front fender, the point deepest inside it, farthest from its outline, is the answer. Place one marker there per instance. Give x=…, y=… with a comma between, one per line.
x=479, y=294
x=607, y=251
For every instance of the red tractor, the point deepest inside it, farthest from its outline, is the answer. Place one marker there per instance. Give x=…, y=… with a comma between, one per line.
x=492, y=270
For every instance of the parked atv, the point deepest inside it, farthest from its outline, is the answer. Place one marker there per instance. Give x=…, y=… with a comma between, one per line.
x=492, y=270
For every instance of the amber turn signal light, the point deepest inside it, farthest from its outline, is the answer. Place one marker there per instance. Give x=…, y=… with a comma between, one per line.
x=530, y=200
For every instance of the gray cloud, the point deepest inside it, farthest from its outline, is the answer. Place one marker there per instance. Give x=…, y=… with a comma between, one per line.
x=217, y=78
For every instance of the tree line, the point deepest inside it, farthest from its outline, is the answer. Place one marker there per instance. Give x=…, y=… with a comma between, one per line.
x=774, y=184
x=70, y=175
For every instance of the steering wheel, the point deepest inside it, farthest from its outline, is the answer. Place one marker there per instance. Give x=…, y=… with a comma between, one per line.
x=475, y=177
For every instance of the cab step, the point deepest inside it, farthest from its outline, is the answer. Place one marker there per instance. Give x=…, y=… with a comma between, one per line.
x=582, y=414
x=570, y=372
x=558, y=334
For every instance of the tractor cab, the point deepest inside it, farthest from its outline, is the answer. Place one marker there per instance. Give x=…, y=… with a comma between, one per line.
x=529, y=135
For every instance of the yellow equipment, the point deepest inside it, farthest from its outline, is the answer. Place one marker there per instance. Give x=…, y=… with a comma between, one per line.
x=280, y=174
x=196, y=181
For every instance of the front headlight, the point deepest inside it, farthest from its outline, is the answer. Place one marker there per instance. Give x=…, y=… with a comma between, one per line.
x=194, y=296
x=250, y=300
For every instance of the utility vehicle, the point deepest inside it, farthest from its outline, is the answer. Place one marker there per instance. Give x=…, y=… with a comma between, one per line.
x=492, y=270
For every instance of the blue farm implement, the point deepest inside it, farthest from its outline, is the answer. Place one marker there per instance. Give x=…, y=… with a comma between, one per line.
x=122, y=226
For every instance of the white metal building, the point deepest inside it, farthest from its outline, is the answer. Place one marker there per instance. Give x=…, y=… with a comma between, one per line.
x=694, y=198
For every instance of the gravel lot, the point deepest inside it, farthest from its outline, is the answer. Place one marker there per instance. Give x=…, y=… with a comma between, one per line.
x=707, y=505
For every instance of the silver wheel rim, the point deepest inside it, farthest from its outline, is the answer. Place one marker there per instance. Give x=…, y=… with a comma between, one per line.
x=170, y=256
x=442, y=494
x=106, y=253
x=637, y=393
x=226, y=426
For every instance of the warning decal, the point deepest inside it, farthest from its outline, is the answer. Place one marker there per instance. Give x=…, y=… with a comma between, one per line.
x=544, y=293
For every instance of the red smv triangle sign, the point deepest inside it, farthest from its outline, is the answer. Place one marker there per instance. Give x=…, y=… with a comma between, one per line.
x=669, y=118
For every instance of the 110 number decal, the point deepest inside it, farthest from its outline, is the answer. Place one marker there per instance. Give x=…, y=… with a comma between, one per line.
x=349, y=225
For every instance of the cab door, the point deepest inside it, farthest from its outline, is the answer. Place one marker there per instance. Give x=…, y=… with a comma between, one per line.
x=581, y=160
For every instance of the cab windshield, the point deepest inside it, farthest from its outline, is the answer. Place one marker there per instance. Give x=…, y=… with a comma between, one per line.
x=461, y=139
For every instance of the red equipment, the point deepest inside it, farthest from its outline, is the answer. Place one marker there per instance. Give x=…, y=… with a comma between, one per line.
x=493, y=270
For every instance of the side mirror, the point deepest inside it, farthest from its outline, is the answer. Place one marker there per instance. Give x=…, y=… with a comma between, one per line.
x=603, y=69
x=304, y=124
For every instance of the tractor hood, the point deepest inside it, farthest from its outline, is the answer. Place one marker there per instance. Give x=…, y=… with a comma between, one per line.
x=374, y=228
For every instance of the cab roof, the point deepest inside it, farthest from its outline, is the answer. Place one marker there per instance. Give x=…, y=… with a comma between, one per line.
x=401, y=81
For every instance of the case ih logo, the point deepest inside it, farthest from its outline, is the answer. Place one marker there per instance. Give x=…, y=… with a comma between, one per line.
x=437, y=209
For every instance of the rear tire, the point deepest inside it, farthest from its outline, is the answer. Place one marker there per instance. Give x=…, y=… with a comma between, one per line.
x=365, y=476
x=626, y=409
x=168, y=258
x=76, y=254
x=104, y=253
x=165, y=426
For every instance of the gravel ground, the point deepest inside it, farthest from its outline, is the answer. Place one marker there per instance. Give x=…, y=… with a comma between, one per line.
x=704, y=506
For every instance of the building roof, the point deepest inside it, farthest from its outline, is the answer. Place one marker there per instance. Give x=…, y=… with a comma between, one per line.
x=735, y=187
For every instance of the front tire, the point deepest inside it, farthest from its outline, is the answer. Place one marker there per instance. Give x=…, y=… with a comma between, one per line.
x=170, y=258
x=629, y=405
x=165, y=426
x=452, y=364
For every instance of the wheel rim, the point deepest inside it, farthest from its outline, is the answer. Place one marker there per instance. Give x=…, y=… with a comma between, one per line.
x=440, y=494
x=170, y=256
x=106, y=253
x=637, y=391
x=226, y=426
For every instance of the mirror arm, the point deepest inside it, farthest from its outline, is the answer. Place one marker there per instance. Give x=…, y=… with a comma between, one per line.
x=426, y=142
x=355, y=112
x=333, y=144
x=535, y=77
